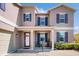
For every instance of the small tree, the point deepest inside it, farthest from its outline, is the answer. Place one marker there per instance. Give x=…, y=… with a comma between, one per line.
x=76, y=38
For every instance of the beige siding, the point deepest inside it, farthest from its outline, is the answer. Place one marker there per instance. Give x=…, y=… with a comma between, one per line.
x=28, y=23
x=7, y=34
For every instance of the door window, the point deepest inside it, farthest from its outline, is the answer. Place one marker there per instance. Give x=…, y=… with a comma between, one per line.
x=27, y=40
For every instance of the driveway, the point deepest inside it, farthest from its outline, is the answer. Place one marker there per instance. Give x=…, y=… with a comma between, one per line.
x=50, y=53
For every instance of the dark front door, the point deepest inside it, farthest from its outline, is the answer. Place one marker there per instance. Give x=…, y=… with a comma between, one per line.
x=27, y=40
x=42, y=39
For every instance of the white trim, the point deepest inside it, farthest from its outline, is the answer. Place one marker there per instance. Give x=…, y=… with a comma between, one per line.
x=42, y=16
x=61, y=31
x=28, y=13
x=62, y=13
x=42, y=32
x=63, y=28
x=7, y=21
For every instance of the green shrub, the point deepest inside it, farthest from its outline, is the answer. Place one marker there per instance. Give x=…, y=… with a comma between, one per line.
x=66, y=46
x=76, y=46
x=58, y=46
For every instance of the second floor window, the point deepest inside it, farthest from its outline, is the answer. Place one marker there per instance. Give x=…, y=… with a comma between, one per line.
x=42, y=21
x=2, y=6
x=27, y=17
x=62, y=18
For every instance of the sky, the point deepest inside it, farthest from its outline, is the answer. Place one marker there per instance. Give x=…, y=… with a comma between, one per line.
x=43, y=7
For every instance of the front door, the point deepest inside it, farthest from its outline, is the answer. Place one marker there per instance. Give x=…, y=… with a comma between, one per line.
x=41, y=39
x=27, y=40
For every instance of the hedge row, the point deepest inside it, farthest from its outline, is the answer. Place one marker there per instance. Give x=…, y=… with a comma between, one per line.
x=66, y=46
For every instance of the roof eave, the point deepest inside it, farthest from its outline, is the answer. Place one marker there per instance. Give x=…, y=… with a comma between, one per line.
x=61, y=6
x=17, y=5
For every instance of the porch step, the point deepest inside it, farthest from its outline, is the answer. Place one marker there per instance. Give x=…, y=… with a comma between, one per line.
x=31, y=51
x=24, y=50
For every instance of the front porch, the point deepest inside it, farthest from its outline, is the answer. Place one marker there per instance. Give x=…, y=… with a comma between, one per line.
x=28, y=39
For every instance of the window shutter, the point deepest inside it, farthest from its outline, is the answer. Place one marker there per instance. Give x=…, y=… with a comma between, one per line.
x=46, y=37
x=57, y=35
x=38, y=39
x=2, y=6
x=57, y=18
x=46, y=21
x=30, y=16
x=38, y=21
x=66, y=36
x=66, y=18
x=24, y=17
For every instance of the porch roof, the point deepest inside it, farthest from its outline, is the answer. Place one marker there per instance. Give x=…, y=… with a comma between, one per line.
x=28, y=28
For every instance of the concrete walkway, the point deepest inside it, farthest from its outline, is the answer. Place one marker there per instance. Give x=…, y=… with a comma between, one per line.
x=50, y=53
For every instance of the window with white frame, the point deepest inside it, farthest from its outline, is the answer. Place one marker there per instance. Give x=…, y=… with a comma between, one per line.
x=42, y=21
x=27, y=17
x=61, y=18
x=61, y=36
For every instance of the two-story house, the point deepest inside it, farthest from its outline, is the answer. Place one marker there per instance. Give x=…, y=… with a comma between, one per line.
x=22, y=27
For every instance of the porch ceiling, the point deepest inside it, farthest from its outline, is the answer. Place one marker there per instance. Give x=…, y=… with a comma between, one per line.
x=28, y=28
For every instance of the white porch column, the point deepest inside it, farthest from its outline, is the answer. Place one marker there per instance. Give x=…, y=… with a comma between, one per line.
x=52, y=38
x=32, y=39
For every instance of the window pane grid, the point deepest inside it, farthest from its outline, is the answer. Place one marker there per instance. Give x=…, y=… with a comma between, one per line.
x=42, y=21
x=27, y=17
x=62, y=18
x=61, y=36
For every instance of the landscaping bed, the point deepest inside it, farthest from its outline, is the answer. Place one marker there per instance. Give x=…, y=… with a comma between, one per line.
x=66, y=46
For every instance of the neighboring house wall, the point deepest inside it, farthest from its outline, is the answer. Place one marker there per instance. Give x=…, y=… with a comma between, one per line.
x=9, y=15
x=8, y=20
x=9, y=12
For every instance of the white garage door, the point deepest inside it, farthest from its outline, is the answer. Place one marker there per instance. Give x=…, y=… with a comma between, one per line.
x=4, y=41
